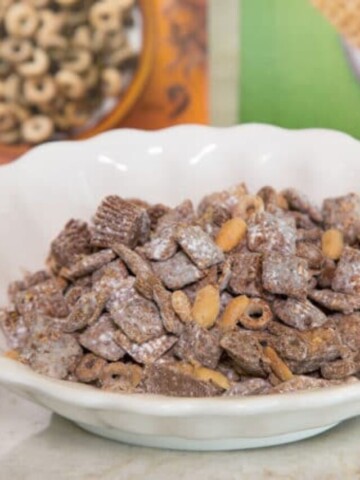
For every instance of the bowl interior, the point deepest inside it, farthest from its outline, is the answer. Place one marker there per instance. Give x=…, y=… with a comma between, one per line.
x=58, y=181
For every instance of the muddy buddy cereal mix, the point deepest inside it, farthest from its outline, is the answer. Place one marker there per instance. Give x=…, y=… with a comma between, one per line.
x=248, y=294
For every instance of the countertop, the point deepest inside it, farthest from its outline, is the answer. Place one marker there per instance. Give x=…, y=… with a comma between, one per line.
x=36, y=445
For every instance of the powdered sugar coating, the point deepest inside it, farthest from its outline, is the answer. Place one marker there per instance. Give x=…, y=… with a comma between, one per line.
x=268, y=233
x=147, y=352
x=86, y=311
x=338, y=302
x=162, y=380
x=46, y=298
x=252, y=386
x=246, y=274
x=14, y=328
x=99, y=339
x=312, y=253
x=161, y=247
x=88, y=264
x=299, y=201
x=299, y=314
x=177, y=272
x=348, y=327
x=138, y=317
x=246, y=352
x=343, y=213
x=347, y=274
x=199, y=246
x=199, y=344
x=72, y=242
x=286, y=275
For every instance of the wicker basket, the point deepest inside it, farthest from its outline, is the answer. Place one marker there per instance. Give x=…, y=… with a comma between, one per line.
x=344, y=15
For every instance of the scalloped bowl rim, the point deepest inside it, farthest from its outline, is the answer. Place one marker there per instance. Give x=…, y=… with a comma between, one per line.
x=32, y=153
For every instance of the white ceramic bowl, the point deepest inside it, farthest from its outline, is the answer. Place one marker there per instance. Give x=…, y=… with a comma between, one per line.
x=54, y=182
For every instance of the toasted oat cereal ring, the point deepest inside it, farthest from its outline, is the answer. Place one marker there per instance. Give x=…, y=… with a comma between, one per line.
x=90, y=368
x=48, y=39
x=82, y=37
x=62, y=122
x=125, y=4
x=233, y=312
x=21, y=20
x=256, y=315
x=39, y=90
x=51, y=21
x=120, y=376
x=109, y=40
x=2, y=89
x=111, y=82
x=71, y=84
x=37, y=129
x=7, y=118
x=121, y=56
x=77, y=114
x=39, y=3
x=91, y=78
x=77, y=60
x=208, y=375
x=248, y=205
x=9, y=137
x=105, y=16
x=16, y=50
x=36, y=66
x=5, y=67
x=13, y=87
x=66, y=3
x=115, y=40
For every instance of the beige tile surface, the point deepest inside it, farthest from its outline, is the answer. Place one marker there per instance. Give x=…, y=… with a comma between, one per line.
x=38, y=446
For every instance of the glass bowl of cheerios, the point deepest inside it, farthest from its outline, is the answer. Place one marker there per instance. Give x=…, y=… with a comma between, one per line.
x=69, y=68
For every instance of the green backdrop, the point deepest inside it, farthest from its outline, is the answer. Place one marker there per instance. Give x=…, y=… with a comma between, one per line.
x=293, y=69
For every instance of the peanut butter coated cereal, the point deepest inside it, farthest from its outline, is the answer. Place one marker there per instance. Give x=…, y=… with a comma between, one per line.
x=248, y=295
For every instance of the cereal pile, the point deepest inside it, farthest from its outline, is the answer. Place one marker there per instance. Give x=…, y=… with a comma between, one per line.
x=59, y=60
x=249, y=294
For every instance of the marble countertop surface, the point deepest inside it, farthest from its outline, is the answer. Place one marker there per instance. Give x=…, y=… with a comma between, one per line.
x=36, y=445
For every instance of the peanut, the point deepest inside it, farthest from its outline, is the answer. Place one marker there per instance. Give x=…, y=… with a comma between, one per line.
x=332, y=243
x=13, y=355
x=277, y=365
x=231, y=234
x=233, y=311
x=206, y=306
x=183, y=367
x=206, y=374
x=181, y=304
